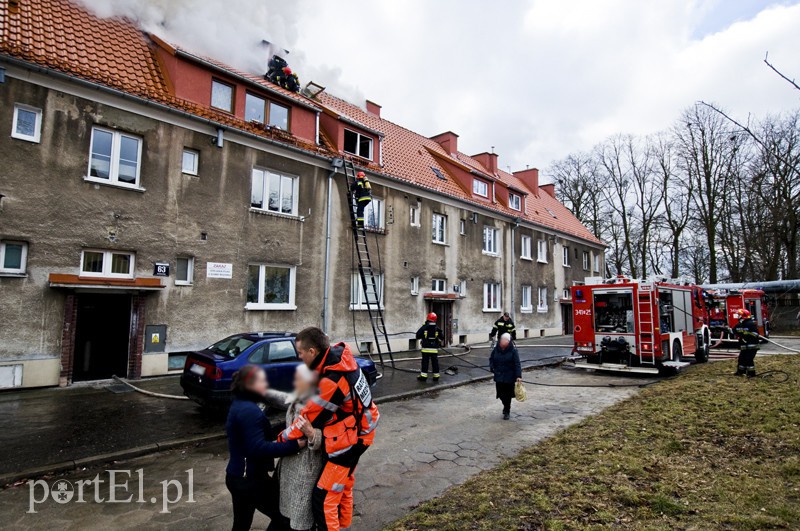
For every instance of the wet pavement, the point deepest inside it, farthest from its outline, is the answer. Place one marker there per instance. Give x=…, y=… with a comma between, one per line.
x=44, y=428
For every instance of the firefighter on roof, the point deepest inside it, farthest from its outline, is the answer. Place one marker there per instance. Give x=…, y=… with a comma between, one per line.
x=362, y=193
x=504, y=325
x=431, y=340
x=746, y=331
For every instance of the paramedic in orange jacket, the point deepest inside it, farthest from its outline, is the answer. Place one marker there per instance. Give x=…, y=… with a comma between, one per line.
x=345, y=413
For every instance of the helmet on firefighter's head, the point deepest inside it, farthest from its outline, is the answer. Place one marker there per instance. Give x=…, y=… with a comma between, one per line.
x=360, y=175
x=432, y=317
x=744, y=314
x=287, y=70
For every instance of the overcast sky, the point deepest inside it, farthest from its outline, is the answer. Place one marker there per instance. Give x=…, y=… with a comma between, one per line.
x=540, y=79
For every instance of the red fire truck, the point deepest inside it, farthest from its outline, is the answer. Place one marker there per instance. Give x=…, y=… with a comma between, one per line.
x=630, y=325
x=723, y=305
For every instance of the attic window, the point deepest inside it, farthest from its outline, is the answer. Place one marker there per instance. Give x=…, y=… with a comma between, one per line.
x=221, y=95
x=438, y=173
x=515, y=202
x=549, y=211
x=480, y=188
x=358, y=144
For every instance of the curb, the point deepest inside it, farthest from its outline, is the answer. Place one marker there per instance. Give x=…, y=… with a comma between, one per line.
x=139, y=451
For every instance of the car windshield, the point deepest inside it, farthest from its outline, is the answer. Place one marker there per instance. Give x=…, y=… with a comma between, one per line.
x=230, y=346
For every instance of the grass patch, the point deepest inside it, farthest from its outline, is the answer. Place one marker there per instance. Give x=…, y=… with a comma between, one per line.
x=701, y=451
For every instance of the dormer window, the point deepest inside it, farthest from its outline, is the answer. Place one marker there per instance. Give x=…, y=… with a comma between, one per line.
x=221, y=95
x=257, y=109
x=357, y=144
x=515, y=201
x=254, y=108
x=480, y=188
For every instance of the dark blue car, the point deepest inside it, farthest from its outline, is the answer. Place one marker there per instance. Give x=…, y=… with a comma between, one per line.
x=207, y=374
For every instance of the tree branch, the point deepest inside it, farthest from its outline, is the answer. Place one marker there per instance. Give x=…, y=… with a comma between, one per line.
x=790, y=81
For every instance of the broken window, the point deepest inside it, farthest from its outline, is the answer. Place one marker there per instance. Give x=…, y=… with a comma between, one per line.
x=357, y=144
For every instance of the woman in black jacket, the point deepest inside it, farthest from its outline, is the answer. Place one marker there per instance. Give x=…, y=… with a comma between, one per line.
x=504, y=363
x=252, y=452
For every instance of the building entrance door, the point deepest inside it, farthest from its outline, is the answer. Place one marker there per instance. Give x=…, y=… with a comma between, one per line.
x=444, y=310
x=102, y=336
x=566, y=319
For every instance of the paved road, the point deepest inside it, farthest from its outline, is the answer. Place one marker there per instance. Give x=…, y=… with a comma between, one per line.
x=425, y=445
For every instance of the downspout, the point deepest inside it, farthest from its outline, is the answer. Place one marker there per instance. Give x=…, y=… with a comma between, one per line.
x=316, y=131
x=513, y=269
x=326, y=316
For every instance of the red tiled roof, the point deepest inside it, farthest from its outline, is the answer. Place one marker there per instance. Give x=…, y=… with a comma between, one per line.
x=409, y=156
x=65, y=37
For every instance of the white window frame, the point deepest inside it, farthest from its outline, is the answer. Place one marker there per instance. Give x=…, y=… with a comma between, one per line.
x=438, y=285
x=596, y=261
x=439, y=221
x=230, y=108
x=107, y=258
x=268, y=174
x=261, y=305
x=541, y=306
x=489, y=289
x=462, y=289
x=566, y=294
x=525, y=247
x=586, y=260
x=23, y=262
x=189, y=271
x=37, y=126
x=414, y=214
x=491, y=240
x=113, y=169
x=515, y=202
x=358, y=295
x=565, y=256
x=359, y=136
x=480, y=187
x=195, y=166
x=380, y=204
x=526, y=299
x=541, y=251
x=462, y=227
x=415, y=285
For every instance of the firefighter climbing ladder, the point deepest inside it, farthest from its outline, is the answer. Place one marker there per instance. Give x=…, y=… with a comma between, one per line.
x=646, y=332
x=366, y=272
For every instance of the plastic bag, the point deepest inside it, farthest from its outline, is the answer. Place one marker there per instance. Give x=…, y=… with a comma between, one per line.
x=519, y=392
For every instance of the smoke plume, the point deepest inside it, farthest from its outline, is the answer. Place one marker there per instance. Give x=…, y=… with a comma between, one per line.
x=235, y=32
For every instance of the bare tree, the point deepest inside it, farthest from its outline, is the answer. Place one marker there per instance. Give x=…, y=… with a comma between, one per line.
x=677, y=192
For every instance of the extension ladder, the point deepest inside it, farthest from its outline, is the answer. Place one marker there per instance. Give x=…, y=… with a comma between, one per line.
x=646, y=323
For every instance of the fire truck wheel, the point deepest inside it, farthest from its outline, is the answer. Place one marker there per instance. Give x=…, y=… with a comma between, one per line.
x=677, y=351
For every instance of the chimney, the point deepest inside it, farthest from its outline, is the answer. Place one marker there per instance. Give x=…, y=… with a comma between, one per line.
x=373, y=108
x=448, y=141
x=488, y=161
x=530, y=178
x=549, y=189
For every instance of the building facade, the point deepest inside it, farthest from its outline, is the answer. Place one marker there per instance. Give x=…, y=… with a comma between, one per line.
x=153, y=201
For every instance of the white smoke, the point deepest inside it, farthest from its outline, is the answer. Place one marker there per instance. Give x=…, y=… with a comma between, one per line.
x=233, y=32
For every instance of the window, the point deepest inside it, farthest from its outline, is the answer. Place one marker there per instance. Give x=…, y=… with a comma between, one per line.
x=597, y=263
x=359, y=298
x=415, y=285
x=541, y=307
x=566, y=294
x=190, y=161
x=184, y=271
x=278, y=116
x=270, y=287
x=515, y=201
x=439, y=285
x=413, y=214
x=254, y=108
x=276, y=351
x=221, y=95
x=585, y=261
x=480, y=188
x=114, y=157
x=541, y=251
x=357, y=144
x=112, y=264
x=439, y=228
x=274, y=192
x=527, y=300
x=525, y=244
x=462, y=227
x=373, y=215
x=27, y=123
x=565, y=254
x=13, y=257
x=490, y=240
x=462, y=289
x=491, y=297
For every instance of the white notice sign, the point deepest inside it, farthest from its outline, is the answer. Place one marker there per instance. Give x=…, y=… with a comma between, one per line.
x=219, y=270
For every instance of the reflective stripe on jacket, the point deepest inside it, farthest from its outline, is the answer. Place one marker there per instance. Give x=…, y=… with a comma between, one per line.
x=431, y=338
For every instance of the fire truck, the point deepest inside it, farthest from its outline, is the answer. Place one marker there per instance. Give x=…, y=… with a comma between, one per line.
x=641, y=326
x=724, y=304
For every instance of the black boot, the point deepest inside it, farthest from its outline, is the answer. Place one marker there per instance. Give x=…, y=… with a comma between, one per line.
x=751, y=372
x=740, y=371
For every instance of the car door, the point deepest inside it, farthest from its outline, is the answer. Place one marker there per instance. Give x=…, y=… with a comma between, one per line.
x=280, y=359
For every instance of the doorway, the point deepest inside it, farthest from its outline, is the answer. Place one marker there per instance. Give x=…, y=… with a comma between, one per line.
x=444, y=310
x=566, y=319
x=102, y=336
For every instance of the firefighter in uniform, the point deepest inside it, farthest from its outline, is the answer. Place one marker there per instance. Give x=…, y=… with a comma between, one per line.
x=431, y=340
x=746, y=331
x=362, y=192
x=502, y=326
x=347, y=416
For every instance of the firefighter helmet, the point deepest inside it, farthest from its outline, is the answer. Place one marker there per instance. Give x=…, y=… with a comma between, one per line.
x=744, y=314
x=432, y=317
x=360, y=175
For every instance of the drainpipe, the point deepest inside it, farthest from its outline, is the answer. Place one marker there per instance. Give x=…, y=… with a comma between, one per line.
x=316, y=131
x=326, y=315
x=513, y=269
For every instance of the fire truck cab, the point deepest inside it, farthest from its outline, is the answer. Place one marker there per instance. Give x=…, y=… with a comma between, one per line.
x=630, y=325
x=723, y=305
